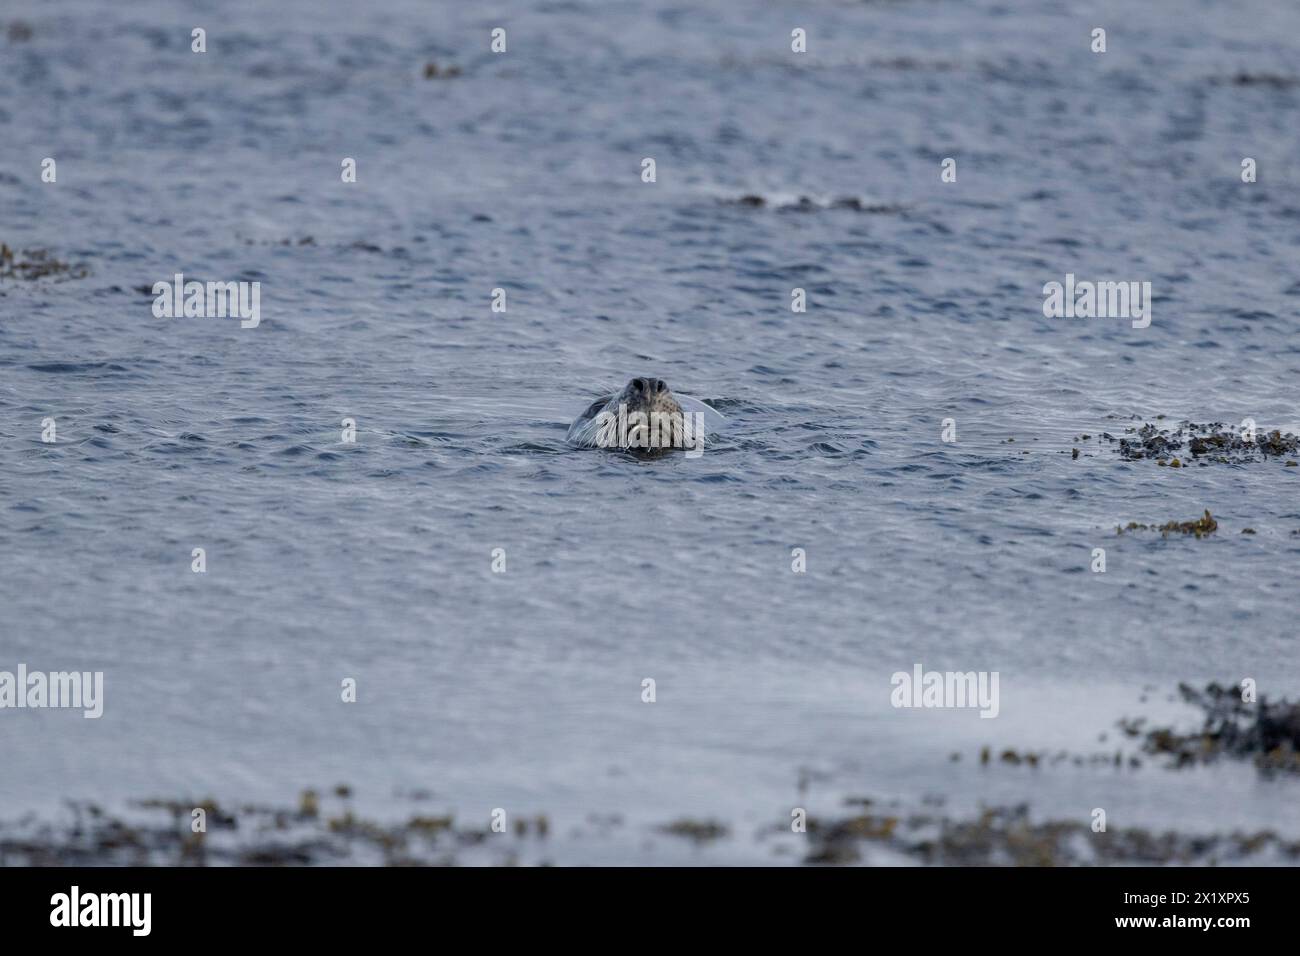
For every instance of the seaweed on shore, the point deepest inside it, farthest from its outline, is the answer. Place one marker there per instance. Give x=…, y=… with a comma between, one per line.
x=1266, y=732
x=161, y=835
x=1007, y=836
x=1189, y=442
x=267, y=836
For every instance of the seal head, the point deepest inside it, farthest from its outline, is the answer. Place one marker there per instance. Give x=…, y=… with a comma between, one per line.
x=644, y=418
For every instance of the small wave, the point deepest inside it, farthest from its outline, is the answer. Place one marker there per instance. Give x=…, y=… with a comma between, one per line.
x=784, y=202
x=73, y=368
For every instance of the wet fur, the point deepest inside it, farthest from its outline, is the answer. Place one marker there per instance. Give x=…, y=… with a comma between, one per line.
x=640, y=395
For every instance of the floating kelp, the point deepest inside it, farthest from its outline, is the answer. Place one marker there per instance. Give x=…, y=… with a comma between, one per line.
x=434, y=72
x=1044, y=758
x=1200, y=527
x=701, y=831
x=32, y=264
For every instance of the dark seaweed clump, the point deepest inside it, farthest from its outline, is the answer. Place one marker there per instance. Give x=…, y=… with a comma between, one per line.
x=36, y=264
x=1277, y=81
x=1267, y=732
x=1204, y=443
x=433, y=72
x=700, y=831
x=1036, y=758
x=1202, y=526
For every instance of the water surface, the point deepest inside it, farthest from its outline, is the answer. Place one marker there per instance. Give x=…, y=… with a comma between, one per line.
x=522, y=690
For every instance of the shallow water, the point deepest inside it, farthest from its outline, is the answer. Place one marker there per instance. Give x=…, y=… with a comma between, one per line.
x=522, y=690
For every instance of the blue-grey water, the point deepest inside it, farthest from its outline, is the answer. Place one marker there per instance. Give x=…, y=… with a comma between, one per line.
x=373, y=560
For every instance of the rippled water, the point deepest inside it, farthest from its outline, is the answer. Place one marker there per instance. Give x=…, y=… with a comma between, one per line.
x=372, y=560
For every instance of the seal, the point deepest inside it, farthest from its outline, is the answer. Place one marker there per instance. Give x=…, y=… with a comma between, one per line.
x=644, y=418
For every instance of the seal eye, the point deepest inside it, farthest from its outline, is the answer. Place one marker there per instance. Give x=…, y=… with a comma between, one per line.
x=660, y=386
x=638, y=385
